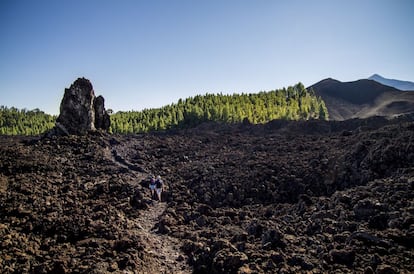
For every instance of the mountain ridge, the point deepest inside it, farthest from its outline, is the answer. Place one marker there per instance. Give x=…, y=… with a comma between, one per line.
x=398, y=84
x=351, y=91
x=362, y=98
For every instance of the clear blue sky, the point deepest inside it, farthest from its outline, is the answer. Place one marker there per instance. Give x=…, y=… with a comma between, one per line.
x=144, y=54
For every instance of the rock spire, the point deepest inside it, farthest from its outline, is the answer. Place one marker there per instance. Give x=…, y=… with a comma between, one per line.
x=81, y=111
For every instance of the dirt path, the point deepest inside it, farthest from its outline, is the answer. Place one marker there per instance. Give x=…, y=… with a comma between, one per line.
x=163, y=247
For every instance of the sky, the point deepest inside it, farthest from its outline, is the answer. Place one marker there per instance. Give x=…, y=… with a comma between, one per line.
x=146, y=54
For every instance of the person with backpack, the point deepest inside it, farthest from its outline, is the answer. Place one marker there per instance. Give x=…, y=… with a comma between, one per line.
x=159, y=184
x=152, y=186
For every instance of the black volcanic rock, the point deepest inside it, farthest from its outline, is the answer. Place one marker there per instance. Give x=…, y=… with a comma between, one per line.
x=102, y=120
x=287, y=196
x=81, y=111
x=276, y=198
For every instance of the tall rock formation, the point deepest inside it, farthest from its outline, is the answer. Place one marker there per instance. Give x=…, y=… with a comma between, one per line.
x=81, y=111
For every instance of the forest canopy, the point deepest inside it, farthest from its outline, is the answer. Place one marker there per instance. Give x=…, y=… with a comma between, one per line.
x=292, y=103
x=15, y=121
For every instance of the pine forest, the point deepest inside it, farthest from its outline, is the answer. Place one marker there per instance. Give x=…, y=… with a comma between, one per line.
x=15, y=121
x=293, y=103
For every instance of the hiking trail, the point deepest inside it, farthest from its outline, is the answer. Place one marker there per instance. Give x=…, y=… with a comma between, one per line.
x=163, y=247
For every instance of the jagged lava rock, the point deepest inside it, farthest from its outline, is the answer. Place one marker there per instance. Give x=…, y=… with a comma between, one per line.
x=81, y=111
x=102, y=120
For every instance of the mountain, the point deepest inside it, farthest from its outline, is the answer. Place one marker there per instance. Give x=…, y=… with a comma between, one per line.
x=398, y=84
x=357, y=92
x=362, y=98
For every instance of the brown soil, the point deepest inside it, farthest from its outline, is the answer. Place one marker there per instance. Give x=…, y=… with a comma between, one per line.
x=284, y=197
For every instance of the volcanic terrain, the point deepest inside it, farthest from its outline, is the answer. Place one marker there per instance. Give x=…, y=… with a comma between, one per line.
x=284, y=197
x=362, y=99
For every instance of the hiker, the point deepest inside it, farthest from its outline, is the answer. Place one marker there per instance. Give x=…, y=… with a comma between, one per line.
x=159, y=184
x=152, y=187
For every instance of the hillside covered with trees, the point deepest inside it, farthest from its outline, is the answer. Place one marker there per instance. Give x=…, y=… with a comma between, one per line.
x=15, y=121
x=293, y=103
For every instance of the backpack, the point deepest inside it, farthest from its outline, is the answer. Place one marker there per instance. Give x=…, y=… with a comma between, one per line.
x=159, y=184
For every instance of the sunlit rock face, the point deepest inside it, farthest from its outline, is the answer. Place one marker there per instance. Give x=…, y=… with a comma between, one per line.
x=81, y=111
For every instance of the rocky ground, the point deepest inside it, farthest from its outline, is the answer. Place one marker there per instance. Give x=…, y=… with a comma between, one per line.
x=285, y=197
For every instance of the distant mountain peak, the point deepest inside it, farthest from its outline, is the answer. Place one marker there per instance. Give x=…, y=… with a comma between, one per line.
x=327, y=81
x=398, y=84
x=375, y=75
x=331, y=80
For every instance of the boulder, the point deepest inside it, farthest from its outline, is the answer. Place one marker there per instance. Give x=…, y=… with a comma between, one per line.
x=81, y=111
x=344, y=256
x=272, y=239
x=386, y=269
x=366, y=208
x=226, y=261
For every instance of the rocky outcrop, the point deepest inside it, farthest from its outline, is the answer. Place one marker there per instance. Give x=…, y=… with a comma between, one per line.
x=81, y=111
x=102, y=120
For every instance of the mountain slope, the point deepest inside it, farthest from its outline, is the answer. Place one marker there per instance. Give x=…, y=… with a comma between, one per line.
x=362, y=98
x=292, y=103
x=398, y=84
